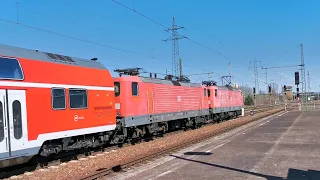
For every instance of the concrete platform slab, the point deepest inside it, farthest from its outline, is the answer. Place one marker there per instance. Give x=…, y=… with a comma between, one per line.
x=283, y=147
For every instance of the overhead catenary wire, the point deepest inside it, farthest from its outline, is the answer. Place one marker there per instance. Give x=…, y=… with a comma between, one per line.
x=76, y=38
x=137, y=12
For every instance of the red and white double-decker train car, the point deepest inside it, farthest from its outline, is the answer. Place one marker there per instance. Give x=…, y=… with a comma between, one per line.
x=48, y=101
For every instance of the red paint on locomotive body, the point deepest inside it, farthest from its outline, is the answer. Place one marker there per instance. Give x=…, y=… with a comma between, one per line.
x=156, y=98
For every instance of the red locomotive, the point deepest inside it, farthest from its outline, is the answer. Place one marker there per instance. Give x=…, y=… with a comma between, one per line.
x=51, y=103
x=149, y=105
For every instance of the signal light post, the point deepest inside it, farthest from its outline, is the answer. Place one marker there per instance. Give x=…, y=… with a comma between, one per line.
x=254, y=96
x=269, y=91
x=285, y=96
x=296, y=81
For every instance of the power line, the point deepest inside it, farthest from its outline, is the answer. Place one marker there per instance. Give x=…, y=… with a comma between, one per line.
x=87, y=41
x=133, y=10
x=275, y=67
x=217, y=52
x=75, y=38
x=281, y=56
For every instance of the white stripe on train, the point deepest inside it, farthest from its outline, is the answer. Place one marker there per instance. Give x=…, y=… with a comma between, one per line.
x=69, y=133
x=46, y=85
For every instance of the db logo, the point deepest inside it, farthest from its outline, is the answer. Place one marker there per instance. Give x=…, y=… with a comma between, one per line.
x=76, y=117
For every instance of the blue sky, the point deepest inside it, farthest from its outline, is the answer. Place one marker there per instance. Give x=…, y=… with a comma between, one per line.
x=269, y=31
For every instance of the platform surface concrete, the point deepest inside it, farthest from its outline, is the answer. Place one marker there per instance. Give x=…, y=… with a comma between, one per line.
x=286, y=146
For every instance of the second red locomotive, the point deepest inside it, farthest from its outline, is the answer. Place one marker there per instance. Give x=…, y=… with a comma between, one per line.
x=149, y=105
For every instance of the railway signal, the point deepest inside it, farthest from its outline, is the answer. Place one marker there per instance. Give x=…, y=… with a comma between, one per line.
x=296, y=78
x=269, y=89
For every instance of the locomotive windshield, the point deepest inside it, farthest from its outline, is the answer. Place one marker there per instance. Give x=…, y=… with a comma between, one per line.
x=116, y=89
x=10, y=69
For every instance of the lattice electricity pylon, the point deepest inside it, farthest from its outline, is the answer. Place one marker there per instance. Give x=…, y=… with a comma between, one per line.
x=175, y=47
x=303, y=76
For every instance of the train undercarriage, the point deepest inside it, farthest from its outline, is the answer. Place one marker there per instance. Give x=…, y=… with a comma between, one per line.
x=131, y=134
x=54, y=149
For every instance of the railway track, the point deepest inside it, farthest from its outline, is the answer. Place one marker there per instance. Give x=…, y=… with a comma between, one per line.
x=68, y=157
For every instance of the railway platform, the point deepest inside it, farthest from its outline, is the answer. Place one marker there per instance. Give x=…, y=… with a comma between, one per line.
x=286, y=146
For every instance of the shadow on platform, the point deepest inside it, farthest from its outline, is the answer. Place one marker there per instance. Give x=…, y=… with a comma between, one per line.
x=293, y=174
x=197, y=153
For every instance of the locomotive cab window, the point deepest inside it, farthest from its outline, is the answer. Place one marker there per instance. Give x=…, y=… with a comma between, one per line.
x=116, y=89
x=135, y=89
x=205, y=92
x=10, y=69
x=215, y=92
x=208, y=92
x=78, y=98
x=58, y=98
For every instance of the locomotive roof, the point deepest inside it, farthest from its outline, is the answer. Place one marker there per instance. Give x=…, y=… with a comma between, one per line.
x=164, y=81
x=18, y=52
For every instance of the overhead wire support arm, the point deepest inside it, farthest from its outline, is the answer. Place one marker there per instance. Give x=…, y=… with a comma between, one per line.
x=173, y=39
x=277, y=67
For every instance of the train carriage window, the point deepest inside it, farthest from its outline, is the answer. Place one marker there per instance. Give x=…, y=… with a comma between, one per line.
x=116, y=89
x=215, y=92
x=1, y=123
x=10, y=69
x=58, y=98
x=17, y=121
x=135, y=89
x=209, y=93
x=205, y=92
x=78, y=98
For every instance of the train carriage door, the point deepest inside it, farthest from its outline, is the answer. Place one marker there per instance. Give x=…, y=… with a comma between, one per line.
x=17, y=120
x=4, y=142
